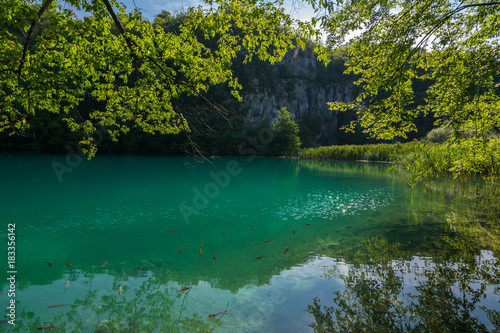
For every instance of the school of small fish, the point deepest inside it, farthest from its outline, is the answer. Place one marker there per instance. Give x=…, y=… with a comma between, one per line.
x=120, y=288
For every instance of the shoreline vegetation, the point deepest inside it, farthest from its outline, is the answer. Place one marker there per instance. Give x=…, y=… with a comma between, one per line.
x=421, y=159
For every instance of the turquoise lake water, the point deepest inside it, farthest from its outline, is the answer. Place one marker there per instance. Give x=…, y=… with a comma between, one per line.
x=256, y=240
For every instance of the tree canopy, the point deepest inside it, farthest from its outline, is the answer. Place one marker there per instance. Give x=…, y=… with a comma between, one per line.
x=451, y=44
x=133, y=69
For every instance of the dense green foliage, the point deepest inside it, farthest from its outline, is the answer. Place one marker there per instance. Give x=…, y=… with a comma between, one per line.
x=83, y=83
x=217, y=120
x=451, y=45
x=132, y=69
x=285, y=138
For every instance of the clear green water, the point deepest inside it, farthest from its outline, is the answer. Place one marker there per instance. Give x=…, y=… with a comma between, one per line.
x=148, y=218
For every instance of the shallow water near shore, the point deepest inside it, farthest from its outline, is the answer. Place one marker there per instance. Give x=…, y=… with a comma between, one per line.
x=177, y=244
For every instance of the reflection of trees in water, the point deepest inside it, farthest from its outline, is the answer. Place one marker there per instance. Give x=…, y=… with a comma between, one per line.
x=153, y=306
x=455, y=287
x=444, y=296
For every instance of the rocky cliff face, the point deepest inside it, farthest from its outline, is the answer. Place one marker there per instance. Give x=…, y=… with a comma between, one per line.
x=304, y=86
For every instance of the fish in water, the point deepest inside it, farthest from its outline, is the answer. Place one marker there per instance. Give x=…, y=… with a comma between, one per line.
x=203, y=231
x=286, y=250
x=293, y=231
x=174, y=229
x=49, y=327
x=348, y=227
x=120, y=290
x=260, y=257
x=182, y=248
x=201, y=252
x=307, y=223
x=215, y=258
x=256, y=244
x=216, y=313
x=267, y=241
x=103, y=264
x=225, y=232
x=50, y=264
x=66, y=284
x=58, y=306
x=201, y=245
x=185, y=288
x=69, y=265
x=340, y=240
x=251, y=240
x=254, y=228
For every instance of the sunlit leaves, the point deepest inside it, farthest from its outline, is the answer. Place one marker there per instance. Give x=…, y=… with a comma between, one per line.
x=132, y=69
x=452, y=45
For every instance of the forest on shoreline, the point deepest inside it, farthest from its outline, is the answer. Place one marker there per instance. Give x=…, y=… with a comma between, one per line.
x=117, y=83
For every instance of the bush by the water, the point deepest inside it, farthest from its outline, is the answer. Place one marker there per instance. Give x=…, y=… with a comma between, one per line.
x=439, y=135
x=285, y=139
x=460, y=158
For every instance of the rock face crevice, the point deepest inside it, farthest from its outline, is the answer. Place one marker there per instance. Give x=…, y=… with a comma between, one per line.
x=304, y=86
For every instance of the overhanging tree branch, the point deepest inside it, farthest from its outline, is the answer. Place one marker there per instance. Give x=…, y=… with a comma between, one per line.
x=131, y=44
x=442, y=21
x=42, y=10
